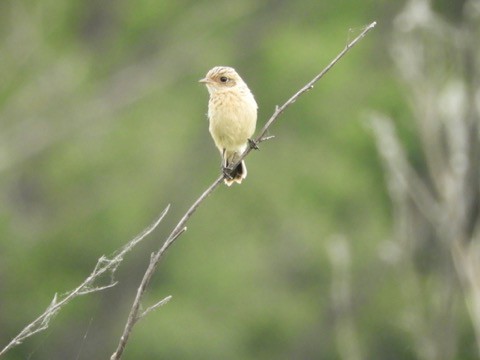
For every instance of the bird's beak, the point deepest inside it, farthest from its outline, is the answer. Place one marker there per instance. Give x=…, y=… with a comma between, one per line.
x=204, y=80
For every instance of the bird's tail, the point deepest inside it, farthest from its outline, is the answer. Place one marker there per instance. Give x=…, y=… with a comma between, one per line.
x=238, y=174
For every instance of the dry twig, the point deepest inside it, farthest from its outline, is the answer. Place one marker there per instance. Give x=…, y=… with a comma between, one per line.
x=135, y=313
x=104, y=266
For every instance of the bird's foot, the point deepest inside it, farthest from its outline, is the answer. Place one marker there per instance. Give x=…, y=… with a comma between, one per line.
x=227, y=172
x=253, y=144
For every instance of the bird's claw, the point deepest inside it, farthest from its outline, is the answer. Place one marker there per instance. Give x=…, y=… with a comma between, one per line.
x=253, y=144
x=227, y=172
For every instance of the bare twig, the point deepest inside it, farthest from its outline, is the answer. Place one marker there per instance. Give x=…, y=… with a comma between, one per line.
x=280, y=109
x=103, y=266
x=155, y=306
x=134, y=314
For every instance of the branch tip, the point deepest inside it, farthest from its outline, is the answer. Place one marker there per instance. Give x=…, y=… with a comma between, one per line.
x=154, y=306
x=180, y=227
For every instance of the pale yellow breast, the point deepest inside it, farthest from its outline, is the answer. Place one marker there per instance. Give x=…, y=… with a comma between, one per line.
x=233, y=117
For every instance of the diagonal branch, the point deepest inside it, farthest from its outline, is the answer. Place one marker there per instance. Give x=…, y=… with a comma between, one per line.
x=279, y=110
x=135, y=314
x=398, y=167
x=104, y=265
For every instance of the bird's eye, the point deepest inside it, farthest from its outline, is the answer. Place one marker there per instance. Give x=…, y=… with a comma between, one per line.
x=223, y=79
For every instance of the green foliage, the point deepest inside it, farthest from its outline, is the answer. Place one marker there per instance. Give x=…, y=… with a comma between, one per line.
x=103, y=124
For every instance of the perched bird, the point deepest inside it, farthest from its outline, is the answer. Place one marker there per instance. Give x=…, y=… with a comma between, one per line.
x=232, y=113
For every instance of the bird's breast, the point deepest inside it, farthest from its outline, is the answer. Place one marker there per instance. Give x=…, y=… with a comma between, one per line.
x=232, y=118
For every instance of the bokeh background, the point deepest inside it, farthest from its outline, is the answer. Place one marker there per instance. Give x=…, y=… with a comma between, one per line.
x=354, y=235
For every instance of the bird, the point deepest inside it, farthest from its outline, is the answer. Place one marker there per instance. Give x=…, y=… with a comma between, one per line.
x=232, y=115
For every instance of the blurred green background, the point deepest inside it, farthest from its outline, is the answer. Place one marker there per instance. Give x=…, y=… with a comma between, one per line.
x=102, y=124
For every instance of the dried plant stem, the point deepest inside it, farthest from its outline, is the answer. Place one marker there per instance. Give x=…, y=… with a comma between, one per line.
x=104, y=266
x=280, y=109
x=135, y=314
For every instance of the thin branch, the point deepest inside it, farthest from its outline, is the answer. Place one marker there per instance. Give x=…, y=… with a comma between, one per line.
x=103, y=266
x=134, y=314
x=155, y=306
x=280, y=109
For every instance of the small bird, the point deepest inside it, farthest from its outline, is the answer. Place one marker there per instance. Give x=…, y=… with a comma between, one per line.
x=232, y=113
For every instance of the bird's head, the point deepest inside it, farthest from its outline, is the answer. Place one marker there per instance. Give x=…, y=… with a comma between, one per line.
x=222, y=78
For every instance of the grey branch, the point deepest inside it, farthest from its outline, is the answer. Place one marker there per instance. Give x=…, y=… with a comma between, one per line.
x=404, y=176
x=280, y=109
x=104, y=265
x=134, y=314
x=155, y=306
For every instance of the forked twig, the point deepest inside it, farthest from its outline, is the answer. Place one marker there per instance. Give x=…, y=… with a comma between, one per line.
x=104, y=265
x=135, y=314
